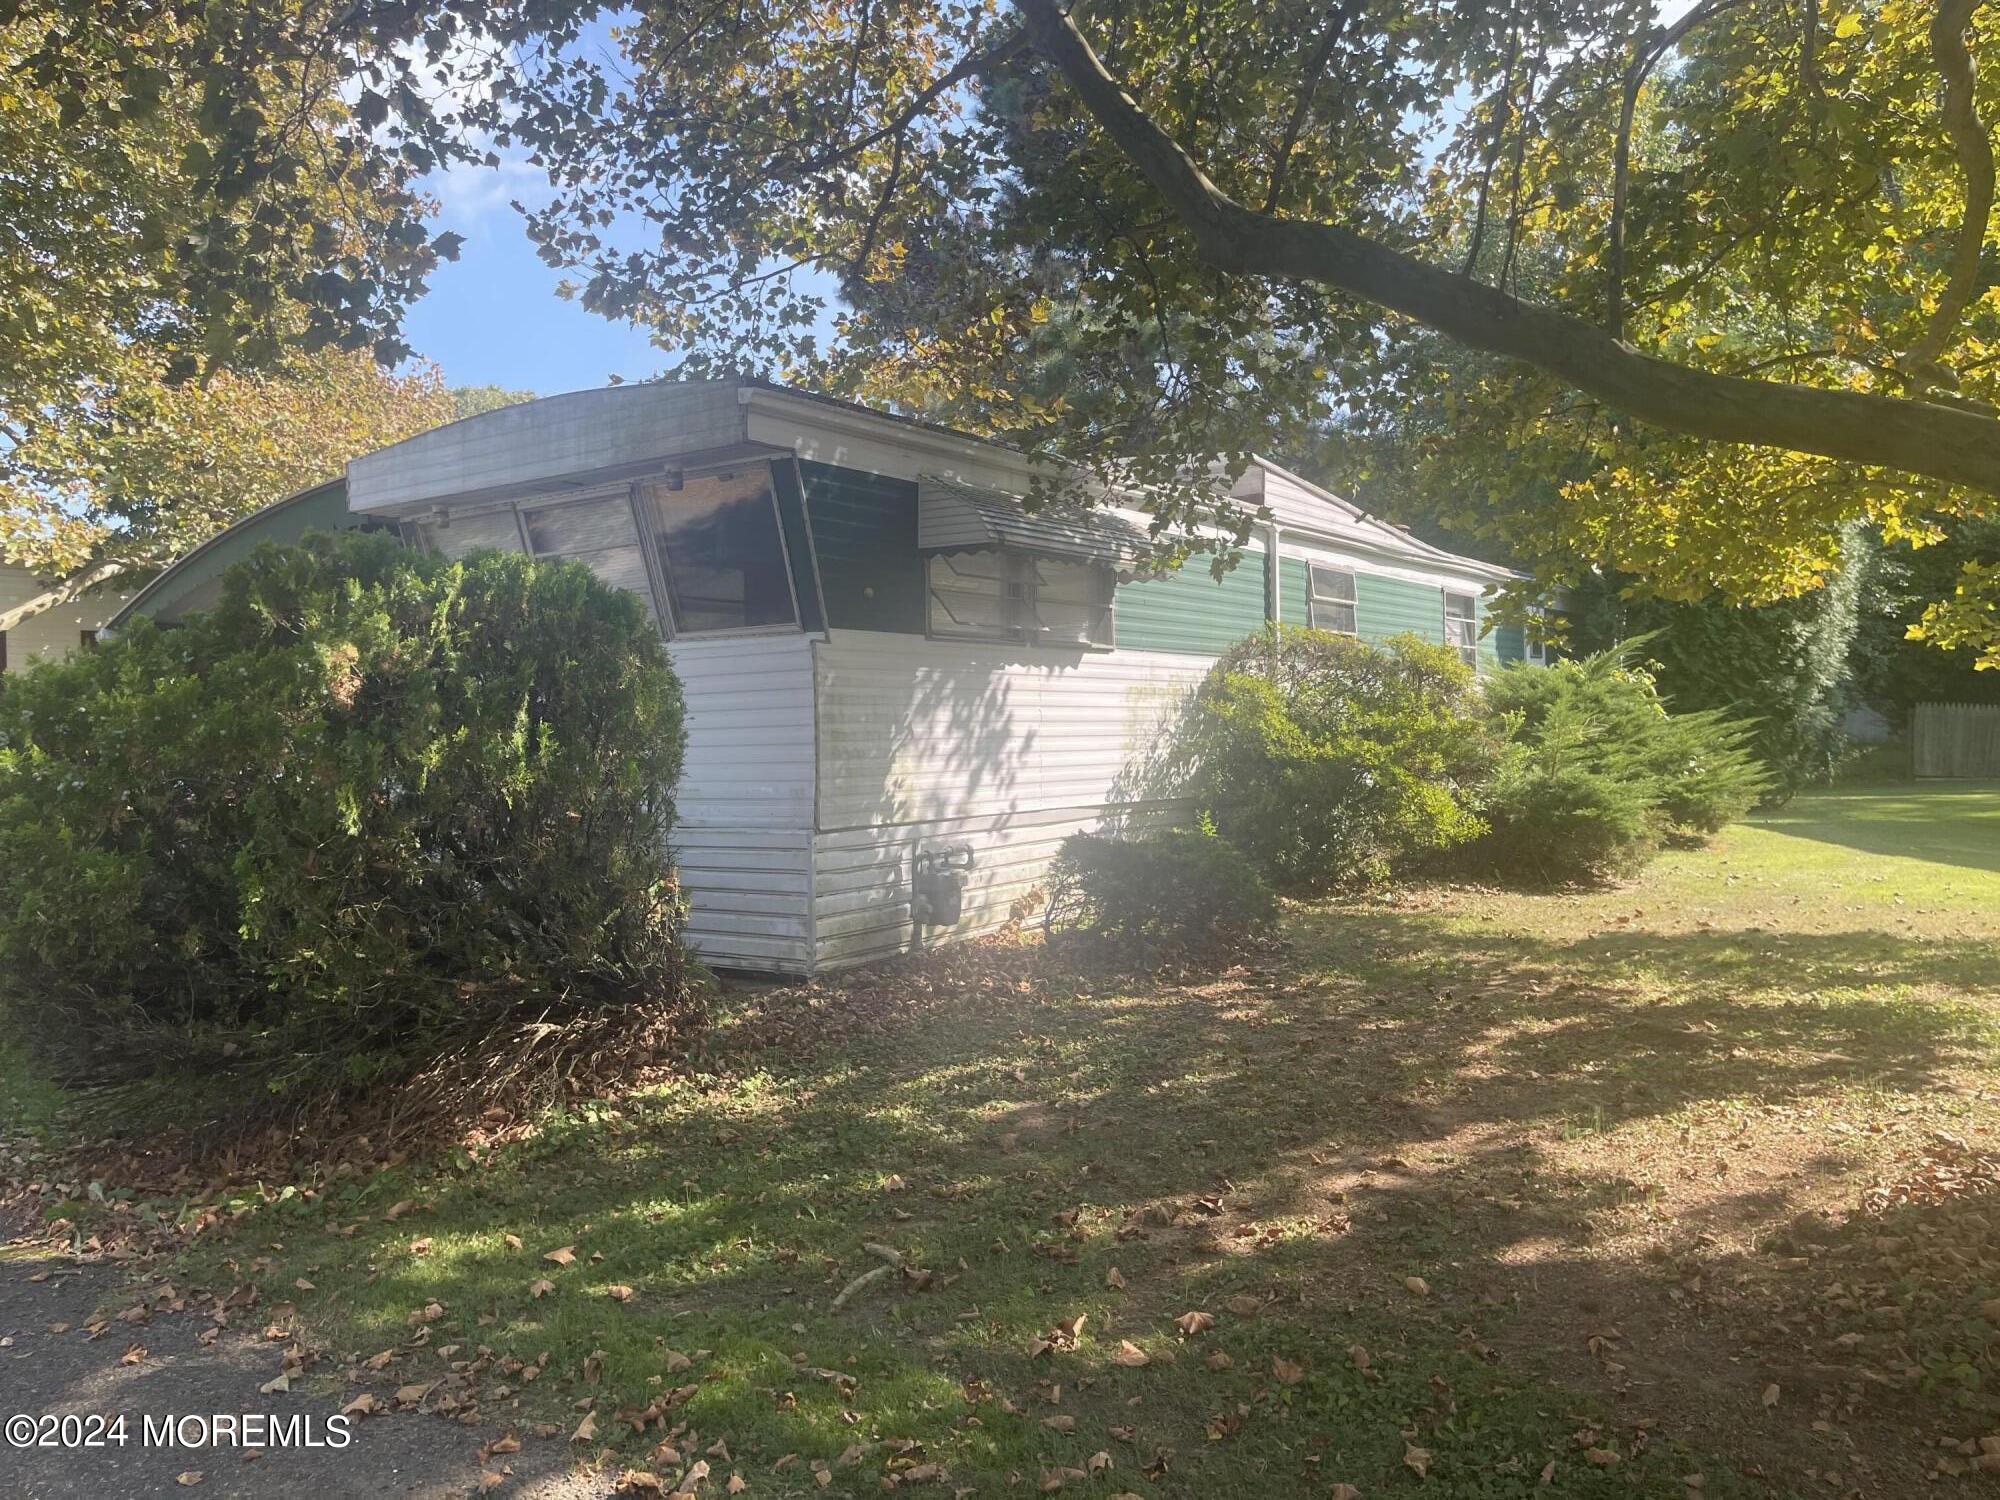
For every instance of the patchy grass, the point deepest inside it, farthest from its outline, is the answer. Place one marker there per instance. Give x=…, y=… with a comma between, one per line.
x=1486, y=1193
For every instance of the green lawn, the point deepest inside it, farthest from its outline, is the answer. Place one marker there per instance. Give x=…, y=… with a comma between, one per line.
x=1485, y=1193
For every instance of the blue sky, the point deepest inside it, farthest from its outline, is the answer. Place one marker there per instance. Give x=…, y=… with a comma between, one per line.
x=492, y=317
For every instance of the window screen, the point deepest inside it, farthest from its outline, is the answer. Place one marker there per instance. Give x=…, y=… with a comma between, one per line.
x=599, y=533
x=1008, y=596
x=1330, y=599
x=719, y=543
x=1461, y=627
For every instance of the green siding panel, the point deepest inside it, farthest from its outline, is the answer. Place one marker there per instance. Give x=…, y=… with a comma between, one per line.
x=1192, y=610
x=1393, y=606
x=194, y=580
x=1294, y=600
x=864, y=530
x=1508, y=644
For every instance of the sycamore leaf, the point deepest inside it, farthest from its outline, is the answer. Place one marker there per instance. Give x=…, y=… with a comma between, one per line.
x=563, y=1257
x=1130, y=1355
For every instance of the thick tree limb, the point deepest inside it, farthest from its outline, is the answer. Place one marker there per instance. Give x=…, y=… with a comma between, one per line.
x=1975, y=159
x=1918, y=437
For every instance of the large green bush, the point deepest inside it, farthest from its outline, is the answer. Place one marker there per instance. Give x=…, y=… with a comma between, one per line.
x=1329, y=761
x=374, y=806
x=1782, y=668
x=1599, y=773
x=1180, y=888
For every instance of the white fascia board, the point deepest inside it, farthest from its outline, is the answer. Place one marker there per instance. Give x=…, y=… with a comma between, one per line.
x=854, y=438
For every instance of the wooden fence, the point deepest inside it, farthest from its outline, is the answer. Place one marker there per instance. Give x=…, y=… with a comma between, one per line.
x=1956, y=740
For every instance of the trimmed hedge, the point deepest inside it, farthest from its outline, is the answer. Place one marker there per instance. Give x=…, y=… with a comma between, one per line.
x=373, y=807
x=1330, y=761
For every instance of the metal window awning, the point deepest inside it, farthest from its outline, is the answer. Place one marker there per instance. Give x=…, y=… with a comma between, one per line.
x=955, y=516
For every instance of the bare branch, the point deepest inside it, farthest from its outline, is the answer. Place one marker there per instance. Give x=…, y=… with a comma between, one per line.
x=1336, y=27
x=1960, y=113
x=1644, y=59
x=969, y=66
x=1503, y=109
x=1919, y=437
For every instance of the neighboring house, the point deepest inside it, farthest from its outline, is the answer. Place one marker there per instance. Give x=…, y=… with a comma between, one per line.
x=51, y=632
x=898, y=681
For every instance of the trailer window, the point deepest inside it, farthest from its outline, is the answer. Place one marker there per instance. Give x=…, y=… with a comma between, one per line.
x=990, y=595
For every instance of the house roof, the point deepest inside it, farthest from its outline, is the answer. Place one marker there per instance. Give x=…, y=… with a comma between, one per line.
x=952, y=514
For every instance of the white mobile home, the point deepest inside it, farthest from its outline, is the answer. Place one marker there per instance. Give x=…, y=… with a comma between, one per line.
x=899, y=682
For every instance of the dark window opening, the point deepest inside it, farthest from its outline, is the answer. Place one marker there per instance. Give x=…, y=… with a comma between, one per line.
x=721, y=550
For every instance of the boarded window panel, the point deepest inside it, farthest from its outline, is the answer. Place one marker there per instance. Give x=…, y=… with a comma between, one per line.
x=587, y=526
x=600, y=534
x=463, y=534
x=725, y=560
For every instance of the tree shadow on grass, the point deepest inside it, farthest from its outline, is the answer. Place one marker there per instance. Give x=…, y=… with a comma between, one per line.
x=1017, y=1141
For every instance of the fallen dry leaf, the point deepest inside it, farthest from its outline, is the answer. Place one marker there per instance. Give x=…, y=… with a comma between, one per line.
x=1418, y=1285
x=1417, y=1459
x=1771, y=1394
x=1286, y=1373
x=1191, y=1323
x=586, y=1430
x=1243, y=1306
x=490, y=1481
x=540, y=1287
x=563, y=1257
x=1114, y=1280
x=619, y=1293
x=1219, y=1361
x=1130, y=1355
x=189, y=1477
x=1344, y=1492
